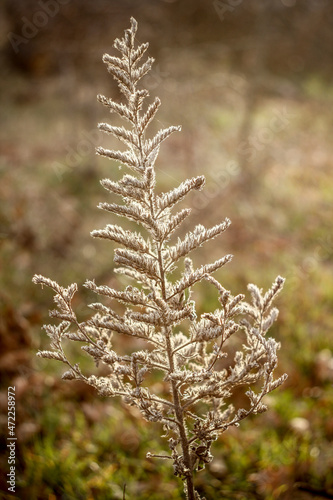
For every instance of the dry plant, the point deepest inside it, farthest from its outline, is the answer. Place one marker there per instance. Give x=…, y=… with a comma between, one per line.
x=159, y=312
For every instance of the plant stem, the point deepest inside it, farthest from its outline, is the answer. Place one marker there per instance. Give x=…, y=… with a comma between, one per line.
x=181, y=423
x=190, y=493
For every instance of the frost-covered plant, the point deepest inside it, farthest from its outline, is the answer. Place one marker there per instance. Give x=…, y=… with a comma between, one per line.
x=160, y=312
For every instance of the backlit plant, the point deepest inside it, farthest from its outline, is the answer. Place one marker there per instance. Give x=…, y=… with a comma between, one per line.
x=158, y=311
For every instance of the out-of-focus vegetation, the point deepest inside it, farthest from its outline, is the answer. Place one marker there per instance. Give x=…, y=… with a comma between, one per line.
x=252, y=90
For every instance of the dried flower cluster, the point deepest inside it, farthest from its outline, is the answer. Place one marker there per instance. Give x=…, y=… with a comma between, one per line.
x=191, y=357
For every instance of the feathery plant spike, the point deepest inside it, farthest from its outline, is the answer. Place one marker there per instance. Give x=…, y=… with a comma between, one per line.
x=152, y=305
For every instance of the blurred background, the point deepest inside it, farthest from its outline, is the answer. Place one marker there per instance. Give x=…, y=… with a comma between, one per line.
x=250, y=81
